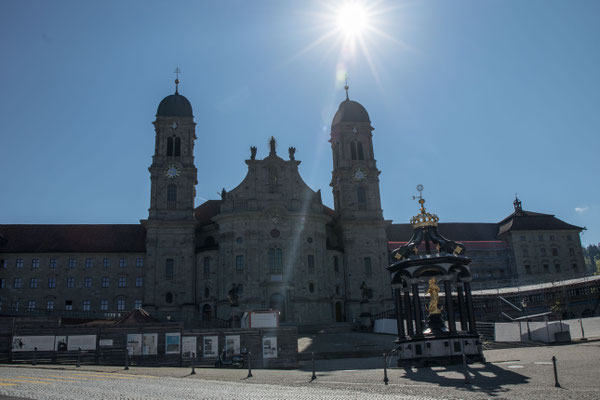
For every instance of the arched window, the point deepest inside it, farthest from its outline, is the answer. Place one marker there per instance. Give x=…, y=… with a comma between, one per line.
x=177, y=147
x=336, y=264
x=275, y=261
x=362, y=198
x=206, y=292
x=311, y=287
x=169, y=146
x=206, y=270
x=171, y=193
x=353, y=151
x=361, y=155
x=169, y=269
x=169, y=298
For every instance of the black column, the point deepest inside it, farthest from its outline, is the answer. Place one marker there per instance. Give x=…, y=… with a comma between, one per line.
x=449, y=307
x=461, y=307
x=470, y=311
x=417, y=307
x=409, y=311
x=399, y=314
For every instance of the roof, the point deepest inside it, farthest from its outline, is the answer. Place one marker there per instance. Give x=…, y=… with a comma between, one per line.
x=469, y=245
x=174, y=105
x=205, y=211
x=135, y=317
x=522, y=220
x=72, y=238
x=457, y=231
x=350, y=111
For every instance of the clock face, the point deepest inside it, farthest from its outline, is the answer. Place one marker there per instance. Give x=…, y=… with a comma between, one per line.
x=174, y=126
x=359, y=175
x=354, y=130
x=172, y=171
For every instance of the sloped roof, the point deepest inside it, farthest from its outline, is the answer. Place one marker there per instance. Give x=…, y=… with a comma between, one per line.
x=457, y=231
x=522, y=220
x=72, y=238
x=205, y=211
x=137, y=316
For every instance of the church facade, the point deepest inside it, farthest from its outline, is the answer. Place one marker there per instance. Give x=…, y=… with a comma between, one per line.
x=269, y=243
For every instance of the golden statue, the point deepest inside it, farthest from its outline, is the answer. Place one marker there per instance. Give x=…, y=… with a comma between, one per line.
x=433, y=290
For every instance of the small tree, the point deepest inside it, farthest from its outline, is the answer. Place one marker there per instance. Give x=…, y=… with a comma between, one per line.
x=558, y=307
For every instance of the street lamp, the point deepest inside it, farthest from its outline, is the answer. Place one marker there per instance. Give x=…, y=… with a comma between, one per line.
x=524, y=305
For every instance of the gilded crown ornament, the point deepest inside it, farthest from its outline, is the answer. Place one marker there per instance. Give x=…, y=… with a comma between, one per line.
x=424, y=218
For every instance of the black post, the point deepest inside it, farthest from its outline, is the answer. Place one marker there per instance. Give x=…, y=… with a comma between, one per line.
x=409, y=311
x=126, y=359
x=461, y=307
x=417, y=307
x=470, y=311
x=385, y=378
x=34, y=362
x=582, y=331
x=466, y=371
x=79, y=357
x=193, y=363
x=314, y=374
x=449, y=307
x=249, y=367
x=399, y=314
x=556, y=384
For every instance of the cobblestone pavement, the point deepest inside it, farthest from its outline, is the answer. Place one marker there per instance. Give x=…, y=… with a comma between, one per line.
x=510, y=373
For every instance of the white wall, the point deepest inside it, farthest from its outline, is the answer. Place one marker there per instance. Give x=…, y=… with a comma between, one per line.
x=544, y=332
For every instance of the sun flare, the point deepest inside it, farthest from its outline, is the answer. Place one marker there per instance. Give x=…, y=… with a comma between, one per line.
x=352, y=19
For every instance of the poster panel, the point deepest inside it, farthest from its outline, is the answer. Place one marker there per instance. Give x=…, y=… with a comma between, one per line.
x=188, y=345
x=211, y=346
x=86, y=342
x=134, y=344
x=149, y=344
x=232, y=344
x=60, y=343
x=172, y=343
x=105, y=342
x=269, y=347
x=29, y=343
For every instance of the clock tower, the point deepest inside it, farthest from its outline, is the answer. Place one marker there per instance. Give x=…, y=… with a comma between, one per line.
x=357, y=204
x=169, y=284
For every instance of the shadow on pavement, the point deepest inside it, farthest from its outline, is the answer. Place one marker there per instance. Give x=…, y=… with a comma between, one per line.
x=484, y=378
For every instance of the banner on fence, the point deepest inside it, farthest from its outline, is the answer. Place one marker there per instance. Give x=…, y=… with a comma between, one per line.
x=188, y=345
x=211, y=346
x=86, y=342
x=29, y=343
x=149, y=344
x=172, y=341
x=134, y=344
x=269, y=347
x=232, y=344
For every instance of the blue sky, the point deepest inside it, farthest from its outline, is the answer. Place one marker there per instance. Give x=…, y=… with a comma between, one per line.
x=476, y=100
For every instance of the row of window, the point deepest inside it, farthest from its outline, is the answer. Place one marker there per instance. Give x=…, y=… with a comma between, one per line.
x=86, y=305
x=70, y=282
x=546, y=268
x=522, y=238
x=543, y=252
x=89, y=263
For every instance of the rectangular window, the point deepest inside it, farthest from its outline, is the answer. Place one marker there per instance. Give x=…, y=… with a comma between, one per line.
x=368, y=268
x=541, y=238
x=552, y=237
x=569, y=237
x=69, y=305
x=17, y=284
x=122, y=281
x=19, y=263
x=170, y=269
x=120, y=305
x=554, y=251
x=239, y=264
x=31, y=305
x=88, y=263
x=106, y=262
x=571, y=251
x=70, y=282
x=52, y=263
x=123, y=262
x=522, y=238
x=275, y=261
x=33, y=283
x=139, y=262
x=557, y=267
x=546, y=269
x=2, y=283
x=87, y=305
x=139, y=281
x=103, y=305
x=543, y=252
x=35, y=263
x=15, y=305
x=50, y=305
x=575, y=268
x=528, y=269
x=51, y=282
x=311, y=264
x=138, y=304
x=206, y=267
x=525, y=252
x=87, y=282
x=3, y=263
x=106, y=281
x=72, y=263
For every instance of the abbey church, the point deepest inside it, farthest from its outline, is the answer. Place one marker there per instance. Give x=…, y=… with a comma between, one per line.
x=269, y=243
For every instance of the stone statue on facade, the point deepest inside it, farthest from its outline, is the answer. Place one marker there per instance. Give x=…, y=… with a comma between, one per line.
x=292, y=152
x=253, y=152
x=233, y=295
x=364, y=291
x=223, y=194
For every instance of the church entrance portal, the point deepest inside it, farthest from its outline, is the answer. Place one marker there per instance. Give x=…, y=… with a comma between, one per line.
x=277, y=302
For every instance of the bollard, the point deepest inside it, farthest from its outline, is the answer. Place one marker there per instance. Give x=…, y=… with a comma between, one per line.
x=314, y=374
x=126, y=359
x=385, y=378
x=582, y=332
x=466, y=372
x=556, y=384
x=193, y=364
x=79, y=357
x=249, y=367
x=34, y=362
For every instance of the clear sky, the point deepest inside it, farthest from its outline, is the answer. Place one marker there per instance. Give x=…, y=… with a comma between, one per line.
x=476, y=100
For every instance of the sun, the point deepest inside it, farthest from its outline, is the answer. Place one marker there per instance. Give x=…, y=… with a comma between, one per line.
x=352, y=20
